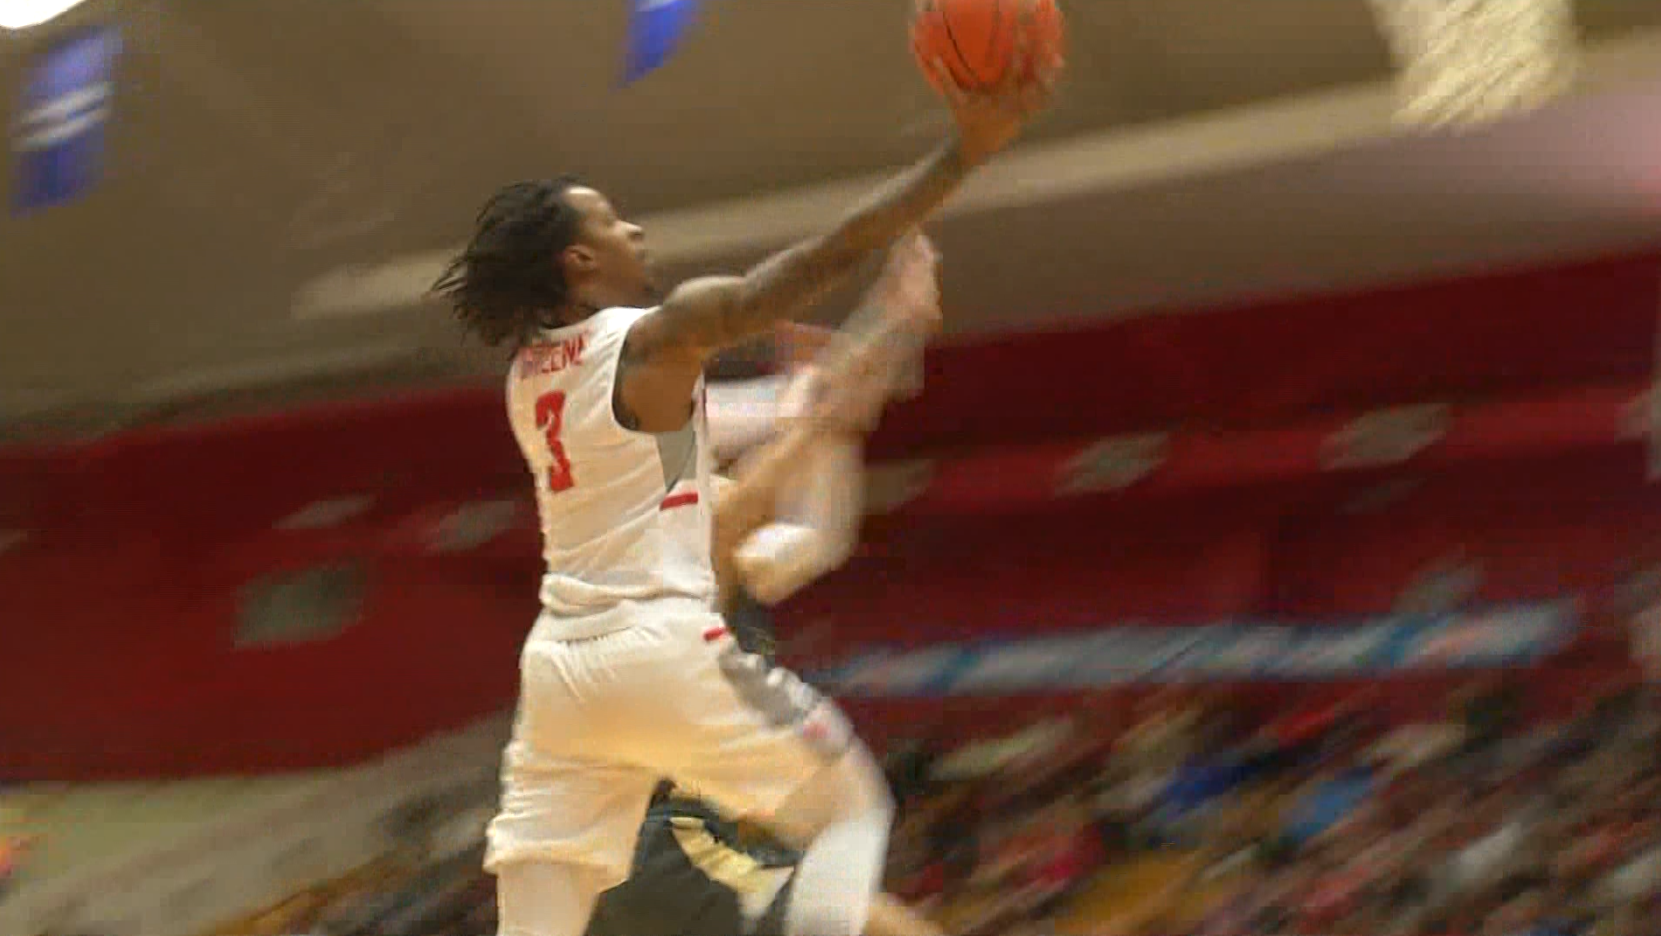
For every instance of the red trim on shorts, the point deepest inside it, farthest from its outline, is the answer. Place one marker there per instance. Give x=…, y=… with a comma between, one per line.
x=714, y=633
x=679, y=500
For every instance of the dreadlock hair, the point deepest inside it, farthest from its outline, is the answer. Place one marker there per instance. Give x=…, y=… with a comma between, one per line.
x=508, y=281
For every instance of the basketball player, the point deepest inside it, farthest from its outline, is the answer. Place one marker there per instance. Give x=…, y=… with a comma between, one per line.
x=693, y=874
x=629, y=674
x=801, y=519
x=838, y=404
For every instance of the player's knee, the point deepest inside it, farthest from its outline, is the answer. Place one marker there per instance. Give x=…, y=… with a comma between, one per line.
x=542, y=898
x=870, y=794
x=841, y=866
x=851, y=788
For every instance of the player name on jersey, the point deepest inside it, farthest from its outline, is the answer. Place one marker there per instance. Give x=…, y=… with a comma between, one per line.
x=553, y=357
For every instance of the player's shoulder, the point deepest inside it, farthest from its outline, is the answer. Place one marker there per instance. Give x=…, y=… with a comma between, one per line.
x=606, y=320
x=623, y=315
x=612, y=325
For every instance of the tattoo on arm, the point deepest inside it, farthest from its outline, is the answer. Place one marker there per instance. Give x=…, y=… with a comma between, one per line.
x=704, y=315
x=665, y=352
x=794, y=279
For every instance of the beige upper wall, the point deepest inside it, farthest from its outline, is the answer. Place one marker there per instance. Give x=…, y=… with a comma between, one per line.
x=260, y=144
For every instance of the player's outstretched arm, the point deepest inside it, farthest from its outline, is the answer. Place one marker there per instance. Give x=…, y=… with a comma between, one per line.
x=855, y=373
x=666, y=350
x=856, y=377
x=751, y=501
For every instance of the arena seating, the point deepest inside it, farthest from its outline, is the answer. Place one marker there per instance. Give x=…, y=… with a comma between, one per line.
x=1485, y=819
x=396, y=897
x=1547, y=827
x=1140, y=815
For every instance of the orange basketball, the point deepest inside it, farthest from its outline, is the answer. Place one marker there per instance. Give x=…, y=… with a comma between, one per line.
x=975, y=39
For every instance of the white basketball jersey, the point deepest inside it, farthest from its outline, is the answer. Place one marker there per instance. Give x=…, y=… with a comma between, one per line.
x=625, y=515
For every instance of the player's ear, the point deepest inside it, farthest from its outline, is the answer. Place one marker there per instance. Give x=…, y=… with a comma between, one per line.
x=578, y=259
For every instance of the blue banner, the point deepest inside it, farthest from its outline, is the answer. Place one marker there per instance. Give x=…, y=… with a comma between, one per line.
x=59, y=137
x=1288, y=651
x=655, y=31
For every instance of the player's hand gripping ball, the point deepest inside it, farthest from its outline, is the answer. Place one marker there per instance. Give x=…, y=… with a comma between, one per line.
x=974, y=43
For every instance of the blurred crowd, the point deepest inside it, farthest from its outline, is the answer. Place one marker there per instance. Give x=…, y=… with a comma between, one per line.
x=407, y=894
x=1318, y=822
x=1196, y=820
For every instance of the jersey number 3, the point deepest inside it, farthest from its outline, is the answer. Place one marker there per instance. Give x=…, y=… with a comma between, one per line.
x=550, y=418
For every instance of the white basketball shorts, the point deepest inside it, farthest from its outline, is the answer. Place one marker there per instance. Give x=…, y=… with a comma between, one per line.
x=602, y=720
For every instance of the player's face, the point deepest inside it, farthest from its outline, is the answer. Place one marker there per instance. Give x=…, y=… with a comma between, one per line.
x=610, y=253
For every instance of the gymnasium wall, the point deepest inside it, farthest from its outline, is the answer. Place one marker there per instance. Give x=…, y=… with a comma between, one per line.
x=308, y=588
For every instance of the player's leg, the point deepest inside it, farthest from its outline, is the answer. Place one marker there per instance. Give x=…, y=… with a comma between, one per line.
x=838, y=817
x=544, y=898
x=573, y=795
x=844, y=816
x=555, y=845
x=693, y=876
x=764, y=745
x=886, y=917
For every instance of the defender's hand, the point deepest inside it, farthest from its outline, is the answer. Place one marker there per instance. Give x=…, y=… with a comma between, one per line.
x=909, y=288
